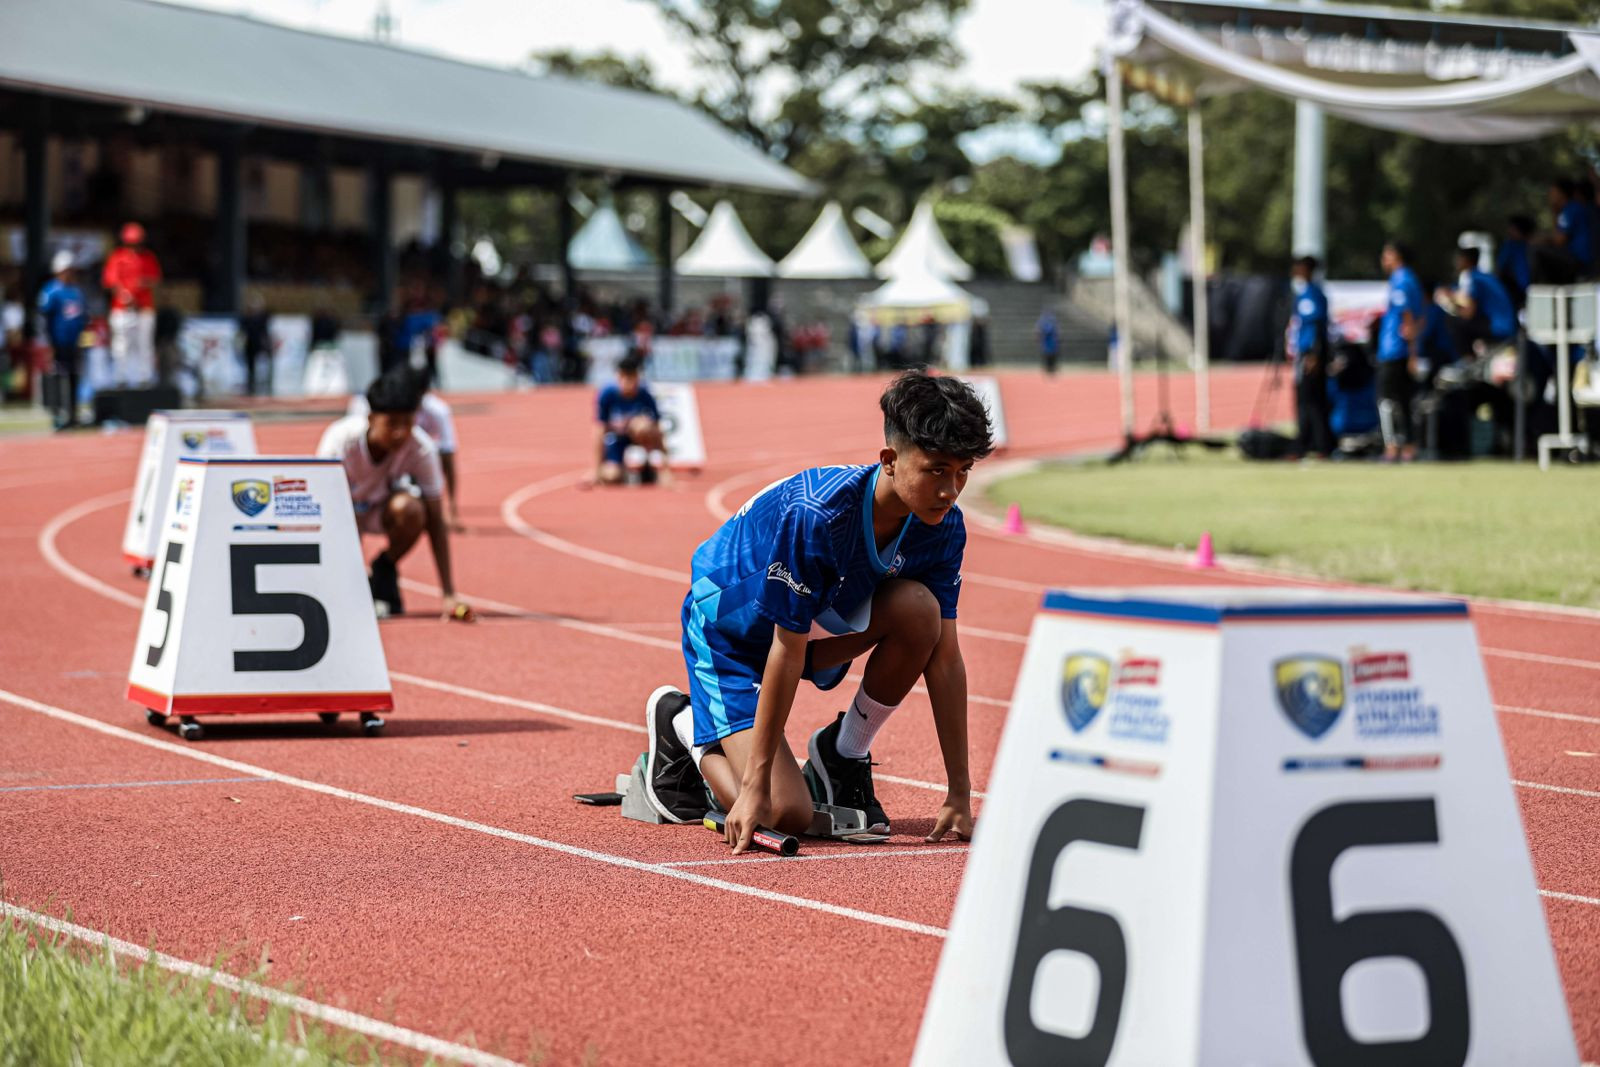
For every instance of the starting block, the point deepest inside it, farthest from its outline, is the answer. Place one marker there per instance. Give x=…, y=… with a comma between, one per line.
x=827, y=820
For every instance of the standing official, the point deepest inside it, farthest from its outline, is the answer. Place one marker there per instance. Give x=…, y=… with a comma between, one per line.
x=1308, y=339
x=65, y=318
x=131, y=275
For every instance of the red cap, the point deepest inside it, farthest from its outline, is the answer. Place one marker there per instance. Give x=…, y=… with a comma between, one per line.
x=133, y=234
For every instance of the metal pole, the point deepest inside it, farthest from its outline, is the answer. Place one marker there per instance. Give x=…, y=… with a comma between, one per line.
x=380, y=227
x=227, y=283
x=36, y=213
x=1119, y=245
x=1310, y=181
x=1563, y=371
x=664, y=253
x=1197, y=269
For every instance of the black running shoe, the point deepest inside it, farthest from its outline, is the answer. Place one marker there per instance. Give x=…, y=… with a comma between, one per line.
x=384, y=581
x=841, y=781
x=671, y=780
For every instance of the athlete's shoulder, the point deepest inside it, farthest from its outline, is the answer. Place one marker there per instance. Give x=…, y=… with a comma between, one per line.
x=828, y=489
x=341, y=435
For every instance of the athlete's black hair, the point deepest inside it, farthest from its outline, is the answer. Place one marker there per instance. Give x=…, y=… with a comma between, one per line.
x=937, y=414
x=1402, y=250
x=1308, y=262
x=395, y=392
x=1469, y=255
x=630, y=365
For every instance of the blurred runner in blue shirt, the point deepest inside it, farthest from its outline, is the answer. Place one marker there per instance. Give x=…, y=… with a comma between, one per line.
x=1481, y=308
x=1397, y=346
x=65, y=319
x=1511, y=264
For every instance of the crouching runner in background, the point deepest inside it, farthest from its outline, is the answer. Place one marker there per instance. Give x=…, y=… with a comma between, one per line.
x=396, y=485
x=627, y=415
x=815, y=570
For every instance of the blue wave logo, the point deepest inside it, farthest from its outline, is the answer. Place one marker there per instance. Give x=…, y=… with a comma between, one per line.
x=1085, y=683
x=251, y=496
x=1310, y=692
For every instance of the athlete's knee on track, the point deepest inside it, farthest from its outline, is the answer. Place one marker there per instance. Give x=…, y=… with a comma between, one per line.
x=911, y=613
x=403, y=513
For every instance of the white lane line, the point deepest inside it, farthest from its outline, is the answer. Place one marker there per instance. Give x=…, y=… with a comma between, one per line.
x=199, y=755
x=1575, y=899
x=1540, y=657
x=1567, y=789
x=517, y=702
x=1591, y=720
x=508, y=514
x=123, y=785
x=862, y=852
x=53, y=556
x=311, y=1009
x=596, y=628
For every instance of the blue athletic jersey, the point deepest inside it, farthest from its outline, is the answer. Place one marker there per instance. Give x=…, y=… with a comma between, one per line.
x=1492, y=302
x=1436, y=341
x=616, y=410
x=800, y=553
x=63, y=309
x=1512, y=262
x=1574, y=222
x=1310, y=320
x=1405, y=294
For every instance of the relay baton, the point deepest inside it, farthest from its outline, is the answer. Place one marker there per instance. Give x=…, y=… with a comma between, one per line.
x=771, y=840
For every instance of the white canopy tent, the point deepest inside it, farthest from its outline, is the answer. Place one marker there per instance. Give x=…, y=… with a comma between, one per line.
x=1443, y=78
x=827, y=250
x=922, y=249
x=916, y=295
x=603, y=243
x=724, y=249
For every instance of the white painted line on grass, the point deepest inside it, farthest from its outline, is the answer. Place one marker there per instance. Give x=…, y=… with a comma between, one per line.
x=191, y=752
x=311, y=1009
x=861, y=852
x=124, y=785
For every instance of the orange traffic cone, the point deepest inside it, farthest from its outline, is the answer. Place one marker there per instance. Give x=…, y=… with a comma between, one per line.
x=1013, y=523
x=1205, y=556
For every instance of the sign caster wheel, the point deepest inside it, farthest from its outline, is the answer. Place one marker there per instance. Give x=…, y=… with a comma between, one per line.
x=328, y=717
x=154, y=718
x=371, y=724
x=142, y=573
x=190, y=730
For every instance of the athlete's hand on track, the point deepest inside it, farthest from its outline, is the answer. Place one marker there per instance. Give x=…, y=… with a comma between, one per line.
x=458, y=610
x=954, y=818
x=752, y=808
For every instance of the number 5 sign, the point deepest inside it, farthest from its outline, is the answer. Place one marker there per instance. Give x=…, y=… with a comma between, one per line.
x=258, y=597
x=1249, y=827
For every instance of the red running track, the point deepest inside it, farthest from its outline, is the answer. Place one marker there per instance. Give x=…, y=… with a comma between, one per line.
x=440, y=878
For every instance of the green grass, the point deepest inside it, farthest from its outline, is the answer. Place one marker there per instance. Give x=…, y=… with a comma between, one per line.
x=1486, y=528
x=64, y=1003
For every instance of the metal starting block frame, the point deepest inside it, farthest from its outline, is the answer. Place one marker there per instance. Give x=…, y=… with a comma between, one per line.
x=827, y=820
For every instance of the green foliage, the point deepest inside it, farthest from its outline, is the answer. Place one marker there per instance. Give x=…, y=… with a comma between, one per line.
x=64, y=1004
x=605, y=67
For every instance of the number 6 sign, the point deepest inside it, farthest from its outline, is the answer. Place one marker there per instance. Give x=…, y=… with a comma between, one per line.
x=1246, y=827
x=258, y=600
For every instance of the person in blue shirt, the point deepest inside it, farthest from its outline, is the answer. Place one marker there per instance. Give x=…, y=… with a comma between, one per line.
x=1566, y=253
x=1308, y=340
x=1049, y=332
x=815, y=570
x=626, y=414
x=1511, y=264
x=1480, y=308
x=65, y=318
x=1397, y=352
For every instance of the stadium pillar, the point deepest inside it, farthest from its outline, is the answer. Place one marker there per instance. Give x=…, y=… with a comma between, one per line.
x=565, y=230
x=380, y=225
x=226, y=290
x=447, y=254
x=1120, y=282
x=36, y=223
x=1197, y=272
x=1310, y=182
x=664, y=225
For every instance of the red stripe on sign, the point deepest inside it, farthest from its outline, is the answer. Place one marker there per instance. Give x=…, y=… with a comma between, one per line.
x=257, y=703
x=137, y=561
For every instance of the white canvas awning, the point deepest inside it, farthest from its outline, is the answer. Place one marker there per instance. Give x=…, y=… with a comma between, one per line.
x=603, y=243
x=827, y=250
x=724, y=249
x=1460, y=93
x=922, y=249
x=916, y=295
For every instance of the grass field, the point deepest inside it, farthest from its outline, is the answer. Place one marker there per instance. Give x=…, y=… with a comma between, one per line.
x=1487, y=529
x=63, y=1003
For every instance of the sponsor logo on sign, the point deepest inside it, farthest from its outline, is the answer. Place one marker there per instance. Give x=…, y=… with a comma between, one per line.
x=288, y=485
x=211, y=439
x=1137, y=713
x=251, y=496
x=185, y=496
x=779, y=573
x=1310, y=692
x=1383, y=699
x=292, y=500
x=193, y=439
x=1085, y=684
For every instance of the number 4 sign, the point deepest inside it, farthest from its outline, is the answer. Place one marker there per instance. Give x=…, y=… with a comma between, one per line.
x=258, y=600
x=1249, y=827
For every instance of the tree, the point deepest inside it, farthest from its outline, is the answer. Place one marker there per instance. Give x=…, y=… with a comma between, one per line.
x=605, y=67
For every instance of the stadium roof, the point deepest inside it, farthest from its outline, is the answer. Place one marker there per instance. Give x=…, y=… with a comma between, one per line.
x=234, y=68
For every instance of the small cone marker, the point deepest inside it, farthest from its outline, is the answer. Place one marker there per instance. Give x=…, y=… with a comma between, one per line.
x=1013, y=523
x=1205, y=557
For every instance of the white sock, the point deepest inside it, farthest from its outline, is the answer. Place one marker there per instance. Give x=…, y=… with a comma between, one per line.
x=861, y=724
x=683, y=726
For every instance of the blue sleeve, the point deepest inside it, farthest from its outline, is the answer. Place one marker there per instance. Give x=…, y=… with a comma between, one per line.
x=1414, y=302
x=1568, y=219
x=943, y=579
x=47, y=299
x=648, y=399
x=1319, y=316
x=798, y=567
x=608, y=399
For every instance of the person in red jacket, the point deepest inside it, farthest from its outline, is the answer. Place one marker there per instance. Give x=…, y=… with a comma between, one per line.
x=130, y=278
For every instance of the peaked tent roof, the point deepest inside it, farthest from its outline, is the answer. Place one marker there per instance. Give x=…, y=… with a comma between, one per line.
x=724, y=249
x=235, y=68
x=923, y=249
x=602, y=243
x=916, y=294
x=1472, y=88
x=827, y=250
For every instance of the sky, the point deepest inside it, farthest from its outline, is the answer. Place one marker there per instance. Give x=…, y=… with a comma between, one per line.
x=1006, y=42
